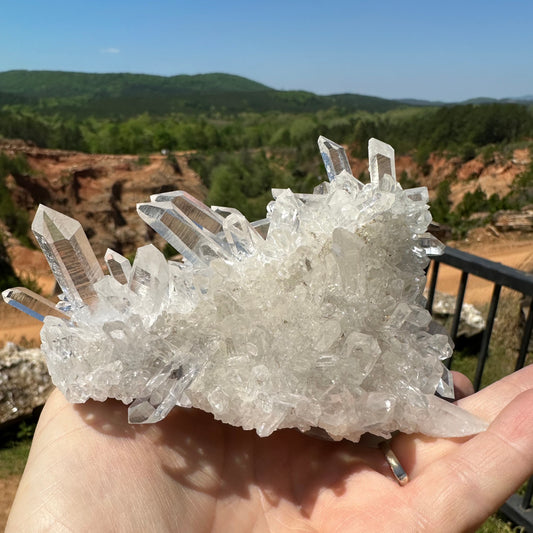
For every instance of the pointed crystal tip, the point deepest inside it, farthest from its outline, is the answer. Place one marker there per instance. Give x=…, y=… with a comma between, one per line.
x=31, y=303
x=380, y=160
x=334, y=157
x=48, y=221
x=69, y=254
x=119, y=267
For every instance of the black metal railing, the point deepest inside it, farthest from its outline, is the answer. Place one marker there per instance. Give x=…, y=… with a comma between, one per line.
x=517, y=508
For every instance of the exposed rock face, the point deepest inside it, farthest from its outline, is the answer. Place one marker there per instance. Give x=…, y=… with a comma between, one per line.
x=494, y=176
x=514, y=220
x=471, y=321
x=99, y=190
x=24, y=381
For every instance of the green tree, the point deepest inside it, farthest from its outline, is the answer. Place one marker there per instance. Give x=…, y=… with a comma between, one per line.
x=441, y=205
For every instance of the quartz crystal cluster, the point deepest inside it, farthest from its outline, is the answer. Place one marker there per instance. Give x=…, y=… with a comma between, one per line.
x=312, y=317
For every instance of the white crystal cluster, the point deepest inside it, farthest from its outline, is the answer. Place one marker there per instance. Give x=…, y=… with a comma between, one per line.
x=311, y=318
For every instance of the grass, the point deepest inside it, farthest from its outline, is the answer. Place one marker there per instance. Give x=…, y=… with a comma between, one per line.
x=13, y=459
x=15, y=443
x=497, y=524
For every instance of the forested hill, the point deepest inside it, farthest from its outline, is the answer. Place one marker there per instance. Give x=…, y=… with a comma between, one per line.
x=47, y=84
x=125, y=95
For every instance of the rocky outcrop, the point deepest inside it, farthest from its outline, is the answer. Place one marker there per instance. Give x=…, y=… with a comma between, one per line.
x=101, y=191
x=24, y=382
x=471, y=322
x=492, y=176
x=514, y=220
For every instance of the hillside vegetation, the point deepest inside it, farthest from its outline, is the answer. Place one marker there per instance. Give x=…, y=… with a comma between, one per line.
x=125, y=95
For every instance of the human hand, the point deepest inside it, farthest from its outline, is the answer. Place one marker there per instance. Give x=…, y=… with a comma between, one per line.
x=89, y=470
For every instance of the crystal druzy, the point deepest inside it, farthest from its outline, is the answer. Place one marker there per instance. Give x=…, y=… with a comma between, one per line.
x=312, y=317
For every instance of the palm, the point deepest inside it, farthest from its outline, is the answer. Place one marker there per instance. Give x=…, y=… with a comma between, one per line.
x=91, y=471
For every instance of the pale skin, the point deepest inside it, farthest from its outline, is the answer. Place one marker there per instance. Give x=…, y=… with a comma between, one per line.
x=89, y=470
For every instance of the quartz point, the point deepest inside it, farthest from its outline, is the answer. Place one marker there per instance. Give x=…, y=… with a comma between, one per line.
x=430, y=244
x=381, y=162
x=149, y=275
x=310, y=318
x=31, y=303
x=261, y=226
x=334, y=157
x=418, y=195
x=191, y=208
x=69, y=254
x=119, y=267
x=188, y=238
x=445, y=386
x=242, y=237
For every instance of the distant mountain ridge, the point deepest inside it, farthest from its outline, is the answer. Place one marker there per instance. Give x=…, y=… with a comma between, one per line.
x=122, y=95
x=126, y=94
x=59, y=84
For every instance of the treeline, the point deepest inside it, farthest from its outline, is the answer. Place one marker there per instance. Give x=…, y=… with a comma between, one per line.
x=461, y=129
x=145, y=133
x=15, y=218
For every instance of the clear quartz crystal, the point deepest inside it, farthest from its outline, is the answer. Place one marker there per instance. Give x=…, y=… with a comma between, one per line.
x=418, y=195
x=334, y=157
x=119, y=266
x=445, y=386
x=322, y=188
x=181, y=232
x=193, y=209
x=31, y=303
x=262, y=226
x=430, y=244
x=311, y=317
x=149, y=275
x=381, y=162
x=68, y=253
x=162, y=393
x=242, y=237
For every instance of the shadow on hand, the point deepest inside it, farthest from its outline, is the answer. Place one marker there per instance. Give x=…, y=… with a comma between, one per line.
x=109, y=417
x=202, y=454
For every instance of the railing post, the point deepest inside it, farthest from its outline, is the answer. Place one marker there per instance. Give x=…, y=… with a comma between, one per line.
x=458, y=306
x=526, y=500
x=526, y=337
x=432, y=285
x=484, y=350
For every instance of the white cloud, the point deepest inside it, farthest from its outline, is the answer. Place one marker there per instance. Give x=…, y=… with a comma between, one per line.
x=110, y=51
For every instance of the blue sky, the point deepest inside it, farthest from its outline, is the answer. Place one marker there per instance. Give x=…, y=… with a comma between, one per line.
x=447, y=51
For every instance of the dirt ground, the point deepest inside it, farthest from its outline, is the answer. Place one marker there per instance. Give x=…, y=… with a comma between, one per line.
x=18, y=327
x=515, y=251
x=15, y=326
x=8, y=488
